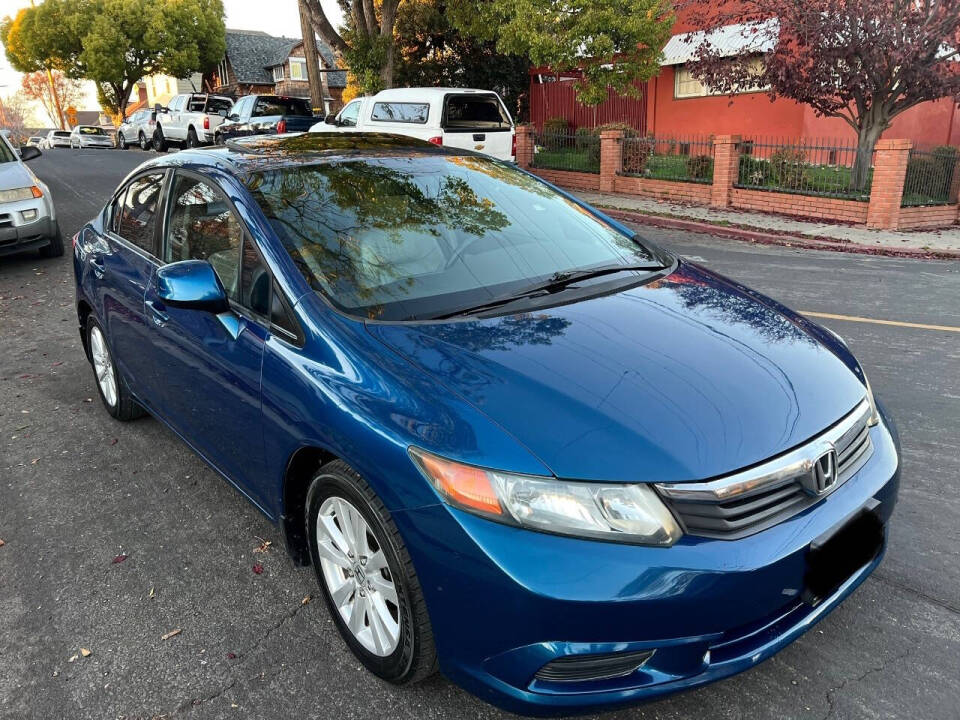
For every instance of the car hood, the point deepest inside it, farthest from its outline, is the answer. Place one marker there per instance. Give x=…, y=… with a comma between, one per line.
x=14, y=175
x=685, y=378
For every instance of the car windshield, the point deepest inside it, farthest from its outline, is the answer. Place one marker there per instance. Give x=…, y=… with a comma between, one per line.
x=6, y=153
x=61, y=133
x=87, y=130
x=414, y=237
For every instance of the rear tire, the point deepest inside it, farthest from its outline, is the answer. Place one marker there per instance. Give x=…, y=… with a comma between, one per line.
x=371, y=575
x=121, y=142
x=111, y=387
x=159, y=141
x=192, y=140
x=55, y=248
x=144, y=143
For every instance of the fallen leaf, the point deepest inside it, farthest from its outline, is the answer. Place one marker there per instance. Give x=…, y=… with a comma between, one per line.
x=2, y=543
x=231, y=656
x=120, y=558
x=170, y=634
x=306, y=600
x=35, y=461
x=73, y=658
x=114, y=441
x=264, y=546
x=57, y=364
x=152, y=593
x=84, y=652
x=258, y=568
x=89, y=400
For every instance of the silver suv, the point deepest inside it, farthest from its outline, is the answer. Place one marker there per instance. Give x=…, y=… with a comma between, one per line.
x=137, y=130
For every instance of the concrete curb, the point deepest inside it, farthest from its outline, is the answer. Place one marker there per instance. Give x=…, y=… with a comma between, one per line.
x=772, y=238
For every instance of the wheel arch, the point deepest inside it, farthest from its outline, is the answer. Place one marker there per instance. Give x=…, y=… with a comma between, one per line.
x=301, y=468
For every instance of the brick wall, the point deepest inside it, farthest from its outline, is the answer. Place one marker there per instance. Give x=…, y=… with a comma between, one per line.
x=822, y=208
x=882, y=211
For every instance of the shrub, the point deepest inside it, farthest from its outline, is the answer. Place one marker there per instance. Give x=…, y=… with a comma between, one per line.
x=789, y=168
x=700, y=167
x=932, y=174
x=587, y=141
x=554, y=131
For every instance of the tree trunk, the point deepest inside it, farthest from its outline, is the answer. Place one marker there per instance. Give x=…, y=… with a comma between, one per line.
x=870, y=131
x=386, y=72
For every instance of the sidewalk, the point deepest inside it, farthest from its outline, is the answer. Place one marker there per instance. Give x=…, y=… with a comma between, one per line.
x=777, y=229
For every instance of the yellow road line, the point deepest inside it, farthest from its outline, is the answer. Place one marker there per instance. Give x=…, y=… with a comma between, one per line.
x=895, y=323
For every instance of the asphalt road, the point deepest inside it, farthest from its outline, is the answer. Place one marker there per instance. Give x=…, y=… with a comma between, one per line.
x=78, y=489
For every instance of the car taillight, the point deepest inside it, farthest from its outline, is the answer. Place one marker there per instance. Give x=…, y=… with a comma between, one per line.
x=513, y=147
x=281, y=127
x=437, y=140
x=206, y=122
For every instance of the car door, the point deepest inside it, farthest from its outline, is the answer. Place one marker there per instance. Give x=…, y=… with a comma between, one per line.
x=349, y=117
x=173, y=127
x=123, y=264
x=206, y=367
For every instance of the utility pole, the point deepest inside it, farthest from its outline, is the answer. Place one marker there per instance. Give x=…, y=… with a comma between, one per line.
x=316, y=77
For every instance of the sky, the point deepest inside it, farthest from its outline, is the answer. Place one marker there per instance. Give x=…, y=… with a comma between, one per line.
x=281, y=19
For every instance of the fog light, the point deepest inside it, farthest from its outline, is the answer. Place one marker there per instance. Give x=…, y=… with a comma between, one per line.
x=582, y=668
x=28, y=215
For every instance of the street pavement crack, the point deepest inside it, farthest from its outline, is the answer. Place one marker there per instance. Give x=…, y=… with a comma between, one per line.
x=832, y=691
x=913, y=591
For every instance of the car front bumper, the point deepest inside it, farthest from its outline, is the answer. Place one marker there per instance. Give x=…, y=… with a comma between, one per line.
x=504, y=602
x=18, y=234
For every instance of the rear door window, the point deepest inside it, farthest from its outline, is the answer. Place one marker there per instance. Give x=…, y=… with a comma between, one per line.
x=218, y=105
x=400, y=112
x=467, y=113
x=137, y=208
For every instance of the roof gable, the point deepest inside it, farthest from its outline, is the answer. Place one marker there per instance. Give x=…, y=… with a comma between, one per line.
x=253, y=53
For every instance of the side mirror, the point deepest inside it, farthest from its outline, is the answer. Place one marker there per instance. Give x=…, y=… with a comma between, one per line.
x=331, y=119
x=192, y=285
x=233, y=117
x=29, y=152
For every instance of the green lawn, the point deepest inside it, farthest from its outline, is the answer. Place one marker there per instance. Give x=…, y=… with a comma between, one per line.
x=566, y=159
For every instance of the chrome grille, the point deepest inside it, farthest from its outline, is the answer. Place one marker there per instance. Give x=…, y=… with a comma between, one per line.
x=751, y=500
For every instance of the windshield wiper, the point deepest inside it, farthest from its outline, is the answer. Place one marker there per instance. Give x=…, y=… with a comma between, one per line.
x=555, y=283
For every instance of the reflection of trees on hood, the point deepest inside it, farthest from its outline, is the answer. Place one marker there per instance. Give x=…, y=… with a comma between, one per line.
x=730, y=306
x=502, y=334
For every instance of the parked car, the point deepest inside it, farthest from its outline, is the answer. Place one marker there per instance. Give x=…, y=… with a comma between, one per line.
x=512, y=437
x=28, y=218
x=89, y=136
x=265, y=115
x=189, y=120
x=57, y=138
x=137, y=130
x=452, y=117
x=34, y=141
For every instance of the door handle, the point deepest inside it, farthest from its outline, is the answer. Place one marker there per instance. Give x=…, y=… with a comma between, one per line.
x=160, y=318
x=99, y=268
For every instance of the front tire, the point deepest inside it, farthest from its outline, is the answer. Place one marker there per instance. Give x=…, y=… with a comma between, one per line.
x=55, y=248
x=367, y=577
x=110, y=385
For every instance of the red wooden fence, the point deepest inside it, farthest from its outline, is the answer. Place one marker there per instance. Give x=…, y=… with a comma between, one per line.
x=557, y=99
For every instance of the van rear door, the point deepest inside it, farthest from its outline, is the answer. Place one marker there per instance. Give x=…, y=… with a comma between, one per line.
x=478, y=121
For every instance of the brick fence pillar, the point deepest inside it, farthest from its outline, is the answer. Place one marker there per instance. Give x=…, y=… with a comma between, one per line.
x=886, y=192
x=726, y=167
x=611, y=158
x=525, y=143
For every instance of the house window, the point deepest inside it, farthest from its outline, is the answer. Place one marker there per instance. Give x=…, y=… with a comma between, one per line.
x=222, y=78
x=278, y=73
x=298, y=68
x=687, y=86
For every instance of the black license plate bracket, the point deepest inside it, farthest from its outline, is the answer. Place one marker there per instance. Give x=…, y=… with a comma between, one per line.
x=832, y=560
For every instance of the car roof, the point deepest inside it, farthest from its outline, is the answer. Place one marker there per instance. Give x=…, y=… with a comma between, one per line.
x=263, y=152
x=426, y=93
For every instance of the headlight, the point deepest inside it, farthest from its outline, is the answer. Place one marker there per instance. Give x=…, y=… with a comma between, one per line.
x=25, y=193
x=874, y=415
x=630, y=513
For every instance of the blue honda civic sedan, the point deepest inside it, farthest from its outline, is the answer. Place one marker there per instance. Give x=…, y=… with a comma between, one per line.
x=517, y=442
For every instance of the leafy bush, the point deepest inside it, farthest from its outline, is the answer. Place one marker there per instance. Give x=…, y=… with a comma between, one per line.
x=789, y=168
x=587, y=140
x=636, y=153
x=700, y=167
x=554, y=132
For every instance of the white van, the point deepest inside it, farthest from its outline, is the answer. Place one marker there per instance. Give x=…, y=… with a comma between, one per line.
x=454, y=117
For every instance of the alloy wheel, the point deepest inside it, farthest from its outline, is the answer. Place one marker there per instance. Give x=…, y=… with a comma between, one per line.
x=358, y=576
x=103, y=367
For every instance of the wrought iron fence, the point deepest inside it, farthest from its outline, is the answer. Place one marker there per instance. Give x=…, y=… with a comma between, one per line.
x=805, y=166
x=683, y=159
x=579, y=151
x=933, y=177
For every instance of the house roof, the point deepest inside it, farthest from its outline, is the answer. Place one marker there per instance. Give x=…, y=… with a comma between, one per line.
x=728, y=40
x=253, y=53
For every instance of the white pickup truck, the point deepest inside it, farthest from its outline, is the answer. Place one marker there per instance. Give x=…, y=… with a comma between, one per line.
x=453, y=117
x=190, y=119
